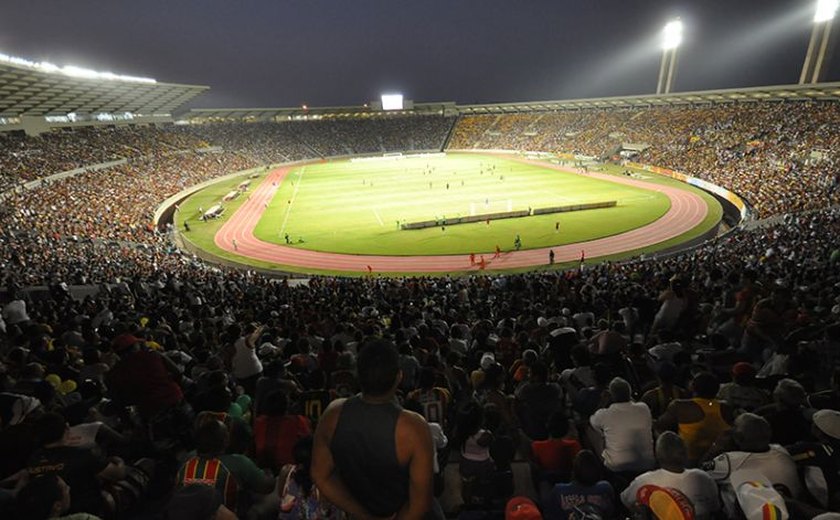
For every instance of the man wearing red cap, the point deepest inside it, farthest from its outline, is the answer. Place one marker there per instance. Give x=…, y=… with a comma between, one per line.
x=741, y=393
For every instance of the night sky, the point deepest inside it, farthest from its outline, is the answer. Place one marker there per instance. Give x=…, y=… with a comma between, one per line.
x=275, y=53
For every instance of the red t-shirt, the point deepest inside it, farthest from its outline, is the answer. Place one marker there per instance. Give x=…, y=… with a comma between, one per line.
x=275, y=438
x=142, y=379
x=555, y=454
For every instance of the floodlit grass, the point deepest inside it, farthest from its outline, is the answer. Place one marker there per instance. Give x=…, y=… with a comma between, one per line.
x=353, y=207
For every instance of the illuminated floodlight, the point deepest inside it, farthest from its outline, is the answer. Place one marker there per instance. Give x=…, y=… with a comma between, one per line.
x=672, y=34
x=392, y=101
x=826, y=9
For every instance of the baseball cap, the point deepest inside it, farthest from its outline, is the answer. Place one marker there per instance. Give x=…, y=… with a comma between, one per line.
x=828, y=421
x=522, y=508
x=665, y=503
x=757, y=497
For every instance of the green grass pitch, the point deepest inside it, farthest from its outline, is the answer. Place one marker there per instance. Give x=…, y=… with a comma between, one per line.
x=355, y=207
x=352, y=207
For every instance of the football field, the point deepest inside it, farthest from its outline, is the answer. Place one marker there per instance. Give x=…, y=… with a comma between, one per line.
x=348, y=216
x=357, y=207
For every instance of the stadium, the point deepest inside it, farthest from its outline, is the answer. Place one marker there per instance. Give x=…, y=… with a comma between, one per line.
x=598, y=307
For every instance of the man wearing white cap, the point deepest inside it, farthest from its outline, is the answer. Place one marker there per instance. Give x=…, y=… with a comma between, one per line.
x=823, y=456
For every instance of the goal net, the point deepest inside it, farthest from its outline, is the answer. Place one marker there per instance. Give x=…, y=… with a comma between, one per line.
x=491, y=206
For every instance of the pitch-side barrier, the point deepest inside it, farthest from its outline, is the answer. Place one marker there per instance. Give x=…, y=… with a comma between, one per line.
x=423, y=224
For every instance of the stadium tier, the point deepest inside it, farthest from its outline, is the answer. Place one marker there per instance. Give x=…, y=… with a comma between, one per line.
x=113, y=337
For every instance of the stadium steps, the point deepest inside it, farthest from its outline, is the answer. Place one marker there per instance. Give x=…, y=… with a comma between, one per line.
x=449, y=133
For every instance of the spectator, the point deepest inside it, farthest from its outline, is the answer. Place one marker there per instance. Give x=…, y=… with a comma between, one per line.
x=695, y=484
x=371, y=431
x=626, y=428
x=586, y=492
x=699, y=420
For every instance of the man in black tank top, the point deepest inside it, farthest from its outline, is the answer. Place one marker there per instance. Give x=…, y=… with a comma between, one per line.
x=371, y=458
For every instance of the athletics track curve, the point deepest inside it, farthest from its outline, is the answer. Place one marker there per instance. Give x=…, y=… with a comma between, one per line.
x=687, y=211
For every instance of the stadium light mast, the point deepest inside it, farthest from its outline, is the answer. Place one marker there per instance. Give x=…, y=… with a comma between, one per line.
x=813, y=68
x=671, y=40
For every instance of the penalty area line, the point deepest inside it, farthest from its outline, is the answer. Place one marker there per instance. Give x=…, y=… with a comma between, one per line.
x=291, y=201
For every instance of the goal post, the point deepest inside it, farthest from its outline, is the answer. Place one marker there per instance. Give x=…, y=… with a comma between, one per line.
x=491, y=206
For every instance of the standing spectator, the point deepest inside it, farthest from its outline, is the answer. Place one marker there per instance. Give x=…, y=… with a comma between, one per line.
x=370, y=456
x=245, y=363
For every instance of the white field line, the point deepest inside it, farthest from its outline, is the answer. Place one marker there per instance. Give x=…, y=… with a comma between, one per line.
x=376, y=213
x=292, y=201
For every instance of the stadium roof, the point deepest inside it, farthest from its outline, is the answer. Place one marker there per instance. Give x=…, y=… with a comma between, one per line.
x=821, y=91
x=29, y=91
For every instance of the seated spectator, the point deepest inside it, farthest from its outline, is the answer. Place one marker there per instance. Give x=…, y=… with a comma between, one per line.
x=46, y=497
x=536, y=400
x=276, y=432
x=626, y=428
x=827, y=399
x=822, y=455
x=788, y=415
x=82, y=469
x=585, y=493
x=753, y=451
x=476, y=465
x=699, y=420
x=197, y=501
x=742, y=393
x=299, y=497
x=553, y=458
x=434, y=399
x=695, y=484
x=659, y=398
x=234, y=476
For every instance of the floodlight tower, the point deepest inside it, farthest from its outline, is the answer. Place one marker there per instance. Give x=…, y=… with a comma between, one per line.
x=671, y=39
x=813, y=68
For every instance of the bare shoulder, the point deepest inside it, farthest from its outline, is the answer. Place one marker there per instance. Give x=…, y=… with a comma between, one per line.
x=329, y=419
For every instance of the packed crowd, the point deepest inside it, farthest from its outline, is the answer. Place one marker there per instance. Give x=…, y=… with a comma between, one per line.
x=577, y=372
x=116, y=203
x=708, y=382
x=781, y=157
x=24, y=159
x=311, y=139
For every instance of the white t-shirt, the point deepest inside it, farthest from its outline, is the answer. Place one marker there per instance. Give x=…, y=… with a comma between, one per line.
x=775, y=464
x=245, y=360
x=695, y=484
x=627, y=429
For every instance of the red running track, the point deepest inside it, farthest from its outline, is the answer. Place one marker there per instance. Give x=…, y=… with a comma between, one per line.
x=687, y=211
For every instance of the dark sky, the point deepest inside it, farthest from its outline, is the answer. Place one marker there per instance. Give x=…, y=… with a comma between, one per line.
x=271, y=53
